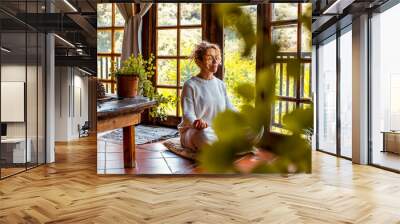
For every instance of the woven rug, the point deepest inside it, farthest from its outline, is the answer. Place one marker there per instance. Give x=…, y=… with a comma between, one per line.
x=144, y=134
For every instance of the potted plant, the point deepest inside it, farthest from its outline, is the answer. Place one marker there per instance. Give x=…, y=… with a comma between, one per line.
x=131, y=72
x=133, y=79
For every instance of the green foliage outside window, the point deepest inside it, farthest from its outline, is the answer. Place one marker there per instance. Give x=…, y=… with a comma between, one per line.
x=237, y=68
x=167, y=45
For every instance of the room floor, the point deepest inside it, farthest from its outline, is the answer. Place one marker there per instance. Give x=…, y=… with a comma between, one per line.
x=155, y=158
x=386, y=159
x=151, y=158
x=70, y=191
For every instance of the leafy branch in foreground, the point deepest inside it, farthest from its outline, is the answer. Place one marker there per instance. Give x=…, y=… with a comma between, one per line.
x=236, y=131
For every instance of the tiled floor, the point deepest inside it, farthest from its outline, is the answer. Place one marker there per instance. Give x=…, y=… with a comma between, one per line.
x=155, y=158
x=150, y=159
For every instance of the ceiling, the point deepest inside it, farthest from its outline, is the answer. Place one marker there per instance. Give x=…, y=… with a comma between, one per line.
x=337, y=14
x=73, y=20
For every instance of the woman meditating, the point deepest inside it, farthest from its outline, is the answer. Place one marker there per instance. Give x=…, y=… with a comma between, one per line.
x=203, y=97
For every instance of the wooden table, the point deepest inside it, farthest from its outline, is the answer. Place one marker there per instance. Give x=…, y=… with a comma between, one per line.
x=123, y=113
x=391, y=141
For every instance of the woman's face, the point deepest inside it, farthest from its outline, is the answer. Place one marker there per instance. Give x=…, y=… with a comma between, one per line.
x=211, y=61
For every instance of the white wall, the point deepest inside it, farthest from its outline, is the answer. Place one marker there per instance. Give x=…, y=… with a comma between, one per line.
x=71, y=102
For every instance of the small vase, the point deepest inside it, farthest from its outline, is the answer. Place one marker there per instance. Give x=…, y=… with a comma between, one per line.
x=127, y=86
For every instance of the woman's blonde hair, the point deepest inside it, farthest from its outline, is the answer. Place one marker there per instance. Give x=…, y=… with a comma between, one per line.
x=201, y=48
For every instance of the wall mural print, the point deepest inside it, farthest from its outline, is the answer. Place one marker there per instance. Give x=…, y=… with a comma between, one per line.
x=214, y=88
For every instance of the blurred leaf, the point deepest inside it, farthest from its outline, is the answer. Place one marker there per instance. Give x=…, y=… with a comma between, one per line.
x=299, y=120
x=306, y=16
x=233, y=15
x=246, y=90
x=293, y=68
x=269, y=50
x=229, y=126
x=216, y=158
x=237, y=131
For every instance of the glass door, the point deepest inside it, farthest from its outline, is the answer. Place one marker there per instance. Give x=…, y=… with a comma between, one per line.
x=326, y=96
x=346, y=93
x=385, y=89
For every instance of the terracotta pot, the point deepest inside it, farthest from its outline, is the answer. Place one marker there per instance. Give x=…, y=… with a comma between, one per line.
x=127, y=85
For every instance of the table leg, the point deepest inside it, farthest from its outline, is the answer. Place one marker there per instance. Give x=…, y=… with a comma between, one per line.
x=129, y=146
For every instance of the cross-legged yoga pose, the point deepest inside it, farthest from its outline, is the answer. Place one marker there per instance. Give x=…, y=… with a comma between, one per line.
x=203, y=97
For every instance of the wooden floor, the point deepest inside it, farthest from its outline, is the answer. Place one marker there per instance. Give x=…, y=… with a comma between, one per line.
x=386, y=159
x=70, y=191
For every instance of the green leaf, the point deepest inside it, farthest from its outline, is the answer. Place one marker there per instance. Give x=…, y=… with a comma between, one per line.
x=299, y=120
x=293, y=68
x=246, y=90
x=231, y=15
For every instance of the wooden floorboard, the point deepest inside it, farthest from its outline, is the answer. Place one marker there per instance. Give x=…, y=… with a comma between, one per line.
x=70, y=191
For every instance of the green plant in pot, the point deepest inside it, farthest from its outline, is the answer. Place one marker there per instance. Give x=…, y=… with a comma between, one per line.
x=129, y=75
x=134, y=78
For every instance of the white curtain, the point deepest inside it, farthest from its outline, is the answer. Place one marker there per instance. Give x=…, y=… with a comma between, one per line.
x=131, y=43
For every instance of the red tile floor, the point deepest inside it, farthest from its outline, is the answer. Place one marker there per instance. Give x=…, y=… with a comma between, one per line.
x=155, y=158
x=151, y=158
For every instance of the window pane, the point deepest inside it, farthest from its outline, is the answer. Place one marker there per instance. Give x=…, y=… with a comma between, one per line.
x=306, y=81
x=103, y=67
x=385, y=88
x=167, y=41
x=119, y=19
x=346, y=94
x=190, y=14
x=99, y=68
x=285, y=37
x=103, y=42
x=118, y=61
x=189, y=37
x=14, y=71
x=104, y=14
x=167, y=14
x=179, y=104
x=277, y=72
x=238, y=69
x=306, y=8
x=305, y=105
x=119, y=35
x=32, y=101
x=291, y=87
x=327, y=97
x=305, y=39
x=285, y=85
x=188, y=69
x=171, y=109
x=166, y=72
x=280, y=109
x=282, y=79
x=284, y=11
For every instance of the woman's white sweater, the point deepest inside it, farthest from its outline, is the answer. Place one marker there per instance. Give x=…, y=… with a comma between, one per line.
x=203, y=99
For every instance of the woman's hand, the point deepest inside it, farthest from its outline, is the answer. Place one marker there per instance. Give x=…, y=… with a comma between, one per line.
x=200, y=124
